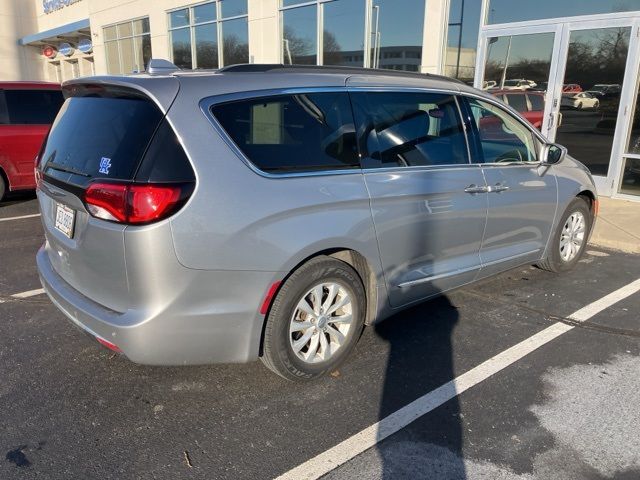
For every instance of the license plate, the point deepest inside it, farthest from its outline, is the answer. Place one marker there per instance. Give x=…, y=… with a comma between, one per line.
x=65, y=219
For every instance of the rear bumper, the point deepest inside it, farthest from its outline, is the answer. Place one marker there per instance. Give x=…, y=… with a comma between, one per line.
x=214, y=320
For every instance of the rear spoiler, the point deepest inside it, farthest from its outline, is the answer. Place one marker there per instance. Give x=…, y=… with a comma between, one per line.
x=161, y=90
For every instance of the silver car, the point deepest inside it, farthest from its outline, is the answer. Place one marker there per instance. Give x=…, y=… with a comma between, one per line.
x=263, y=211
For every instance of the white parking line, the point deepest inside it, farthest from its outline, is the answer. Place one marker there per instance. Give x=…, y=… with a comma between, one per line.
x=28, y=293
x=370, y=436
x=19, y=218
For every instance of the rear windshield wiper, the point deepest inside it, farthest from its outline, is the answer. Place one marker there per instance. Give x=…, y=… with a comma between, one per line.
x=64, y=168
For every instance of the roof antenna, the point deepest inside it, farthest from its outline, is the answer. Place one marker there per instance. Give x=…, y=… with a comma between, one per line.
x=159, y=66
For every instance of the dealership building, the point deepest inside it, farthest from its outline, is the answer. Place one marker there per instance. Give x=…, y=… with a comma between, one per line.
x=572, y=64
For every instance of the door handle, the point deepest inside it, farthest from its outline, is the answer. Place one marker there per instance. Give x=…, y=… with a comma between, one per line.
x=473, y=188
x=497, y=188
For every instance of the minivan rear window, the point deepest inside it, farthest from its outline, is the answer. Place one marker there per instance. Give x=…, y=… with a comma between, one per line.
x=293, y=133
x=99, y=137
x=32, y=107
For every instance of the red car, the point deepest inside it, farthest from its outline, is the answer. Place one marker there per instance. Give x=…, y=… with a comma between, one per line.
x=571, y=88
x=530, y=104
x=27, y=110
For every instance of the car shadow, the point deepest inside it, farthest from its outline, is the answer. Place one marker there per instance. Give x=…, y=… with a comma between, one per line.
x=15, y=198
x=421, y=360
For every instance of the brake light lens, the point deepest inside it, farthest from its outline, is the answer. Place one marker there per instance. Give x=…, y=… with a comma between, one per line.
x=133, y=204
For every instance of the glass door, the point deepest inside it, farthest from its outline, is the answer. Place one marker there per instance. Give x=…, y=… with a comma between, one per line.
x=591, y=93
x=517, y=66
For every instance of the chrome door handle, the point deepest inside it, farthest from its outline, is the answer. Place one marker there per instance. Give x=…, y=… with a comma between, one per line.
x=498, y=187
x=473, y=188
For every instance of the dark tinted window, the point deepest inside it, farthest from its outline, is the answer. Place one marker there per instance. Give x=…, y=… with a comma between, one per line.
x=291, y=133
x=537, y=102
x=408, y=129
x=4, y=113
x=35, y=107
x=517, y=101
x=99, y=137
x=165, y=159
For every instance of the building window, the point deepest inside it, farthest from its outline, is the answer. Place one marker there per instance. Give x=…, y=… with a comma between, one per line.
x=127, y=46
x=197, y=32
x=336, y=33
x=462, y=39
x=506, y=11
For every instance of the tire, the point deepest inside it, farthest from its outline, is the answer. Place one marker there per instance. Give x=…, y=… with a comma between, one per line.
x=3, y=187
x=579, y=106
x=564, y=259
x=334, y=276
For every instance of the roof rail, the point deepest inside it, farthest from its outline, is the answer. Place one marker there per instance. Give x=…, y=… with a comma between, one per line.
x=160, y=66
x=275, y=67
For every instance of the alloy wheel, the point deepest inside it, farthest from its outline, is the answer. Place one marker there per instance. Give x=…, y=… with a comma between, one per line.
x=321, y=322
x=572, y=236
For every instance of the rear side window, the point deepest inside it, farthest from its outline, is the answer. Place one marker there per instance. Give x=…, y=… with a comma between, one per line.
x=99, y=137
x=32, y=107
x=409, y=129
x=517, y=102
x=293, y=133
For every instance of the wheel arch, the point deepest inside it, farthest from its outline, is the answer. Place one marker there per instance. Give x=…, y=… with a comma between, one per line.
x=353, y=258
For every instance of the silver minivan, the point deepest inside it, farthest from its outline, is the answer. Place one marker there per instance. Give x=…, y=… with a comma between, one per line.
x=264, y=211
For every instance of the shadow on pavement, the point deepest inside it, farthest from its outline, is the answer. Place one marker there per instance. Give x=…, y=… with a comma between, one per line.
x=421, y=360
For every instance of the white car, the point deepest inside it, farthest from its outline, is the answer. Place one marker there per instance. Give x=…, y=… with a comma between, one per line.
x=580, y=101
x=518, y=84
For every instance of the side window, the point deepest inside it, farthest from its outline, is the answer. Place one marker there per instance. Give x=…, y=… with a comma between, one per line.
x=4, y=114
x=517, y=101
x=537, y=102
x=502, y=138
x=33, y=107
x=409, y=129
x=293, y=133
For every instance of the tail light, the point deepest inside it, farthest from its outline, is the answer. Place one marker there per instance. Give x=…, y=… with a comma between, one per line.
x=134, y=204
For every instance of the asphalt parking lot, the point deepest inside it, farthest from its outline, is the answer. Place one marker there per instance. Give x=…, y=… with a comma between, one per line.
x=563, y=402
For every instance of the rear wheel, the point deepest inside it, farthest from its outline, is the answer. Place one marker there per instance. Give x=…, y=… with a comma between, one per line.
x=570, y=238
x=315, y=320
x=3, y=187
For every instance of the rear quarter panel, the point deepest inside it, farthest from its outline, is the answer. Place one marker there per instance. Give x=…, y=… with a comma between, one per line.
x=238, y=219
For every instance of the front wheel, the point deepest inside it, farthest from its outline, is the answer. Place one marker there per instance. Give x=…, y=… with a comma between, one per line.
x=3, y=188
x=315, y=320
x=570, y=238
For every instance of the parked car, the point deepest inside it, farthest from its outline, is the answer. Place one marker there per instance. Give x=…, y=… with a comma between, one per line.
x=271, y=211
x=605, y=90
x=540, y=87
x=580, y=101
x=518, y=84
x=530, y=104
x=571, y=88
x=26, y=112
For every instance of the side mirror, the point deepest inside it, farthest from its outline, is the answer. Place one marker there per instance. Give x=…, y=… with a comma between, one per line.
x=553, y=153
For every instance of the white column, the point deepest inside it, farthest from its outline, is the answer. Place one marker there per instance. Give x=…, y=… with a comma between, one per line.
x=264, y=31
x=434, y=37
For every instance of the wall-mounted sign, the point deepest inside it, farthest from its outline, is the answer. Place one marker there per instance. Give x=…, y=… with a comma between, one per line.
x=53, y=5
x=66, y=49
x=49, y=51
x=85, y=45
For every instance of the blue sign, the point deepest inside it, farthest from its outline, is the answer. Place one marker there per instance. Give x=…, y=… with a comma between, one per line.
x=65, y=49
x=85, y=45
x=53, y=5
